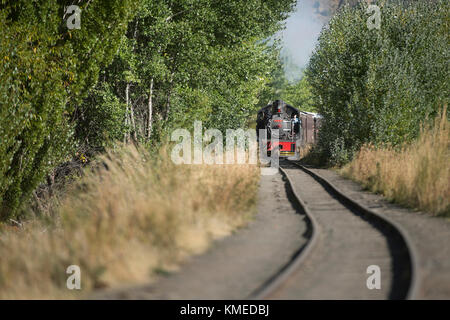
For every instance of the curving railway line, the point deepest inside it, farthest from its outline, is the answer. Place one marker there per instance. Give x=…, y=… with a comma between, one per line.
x=310, y=241
x=345, y=238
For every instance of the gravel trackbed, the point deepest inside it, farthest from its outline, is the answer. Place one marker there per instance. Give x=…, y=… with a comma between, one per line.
x=238, y=265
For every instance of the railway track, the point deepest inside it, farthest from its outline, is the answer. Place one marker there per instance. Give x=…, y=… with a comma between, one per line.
x=345, y=239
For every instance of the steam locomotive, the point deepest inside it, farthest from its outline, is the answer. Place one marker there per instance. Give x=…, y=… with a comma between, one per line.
x=293, y=128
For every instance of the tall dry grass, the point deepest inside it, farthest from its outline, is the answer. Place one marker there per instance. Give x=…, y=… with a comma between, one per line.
x=304, y=151
x=130, y=218
x=417, y=175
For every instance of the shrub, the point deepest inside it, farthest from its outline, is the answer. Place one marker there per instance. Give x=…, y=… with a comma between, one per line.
x=416, y=175
x=133, y=215
x=377, y=86
x=45, y=70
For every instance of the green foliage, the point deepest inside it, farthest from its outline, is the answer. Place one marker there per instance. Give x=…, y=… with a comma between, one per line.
x=103, y=122
x=191, y=60
x=299, y=95
x=378, y=85
x=135, y=70
x=46, y=69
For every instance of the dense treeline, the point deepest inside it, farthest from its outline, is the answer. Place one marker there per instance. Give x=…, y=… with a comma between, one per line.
x=135, y=70
x=181, y=61
x=46, y=69
x=299, y=94
x=377, y=86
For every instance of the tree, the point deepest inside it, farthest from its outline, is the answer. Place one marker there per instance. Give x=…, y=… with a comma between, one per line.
x=46, y=70
x=299, y=95
x=193, y=60
x=378, y=86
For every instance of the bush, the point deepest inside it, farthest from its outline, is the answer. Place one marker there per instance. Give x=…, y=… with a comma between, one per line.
x=101, y=120
x=46, y=69
x=377, y=86
x=417, y=175
x=132, y=215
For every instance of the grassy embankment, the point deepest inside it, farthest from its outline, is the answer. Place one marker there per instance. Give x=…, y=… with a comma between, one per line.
x=374, y=87
x=125, y=224
x=416, y=175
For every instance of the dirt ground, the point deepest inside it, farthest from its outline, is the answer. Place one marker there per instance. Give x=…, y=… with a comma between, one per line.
x=430, y=236
x=236, y=266
x=346, y=246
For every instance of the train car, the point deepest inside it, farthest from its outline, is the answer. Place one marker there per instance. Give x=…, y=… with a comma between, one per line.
x=280, y=121
x=292, y=127
x=310, y=127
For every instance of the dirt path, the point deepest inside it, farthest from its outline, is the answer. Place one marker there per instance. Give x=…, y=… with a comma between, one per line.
x=238, y=265
x=346, y=246
x=430, y=235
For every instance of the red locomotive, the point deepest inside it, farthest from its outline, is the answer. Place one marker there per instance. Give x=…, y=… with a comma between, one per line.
x=293, y=128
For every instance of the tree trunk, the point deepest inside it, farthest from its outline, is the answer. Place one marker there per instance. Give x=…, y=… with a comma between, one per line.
x=126, y=137
x=130, y=106
x=150, y=111
x=133, y=123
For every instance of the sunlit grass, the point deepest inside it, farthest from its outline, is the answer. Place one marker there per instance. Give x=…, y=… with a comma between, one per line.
x=416, y=176
x=127, y=220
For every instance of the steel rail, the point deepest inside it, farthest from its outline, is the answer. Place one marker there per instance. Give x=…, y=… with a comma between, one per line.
x=394, y=227
x=276, y=283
